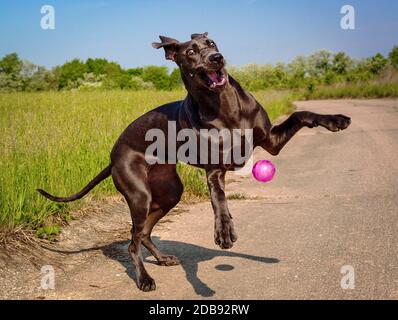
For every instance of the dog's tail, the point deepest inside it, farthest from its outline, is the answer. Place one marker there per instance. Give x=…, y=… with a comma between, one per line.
x=101, y=176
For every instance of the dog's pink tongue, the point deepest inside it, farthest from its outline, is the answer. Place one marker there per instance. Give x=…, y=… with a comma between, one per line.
x=213, y=76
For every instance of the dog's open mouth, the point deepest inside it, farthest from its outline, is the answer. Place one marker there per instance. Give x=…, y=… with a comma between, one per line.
x=215, y=79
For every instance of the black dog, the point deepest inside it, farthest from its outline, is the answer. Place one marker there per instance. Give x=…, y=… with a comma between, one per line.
x=214, y=101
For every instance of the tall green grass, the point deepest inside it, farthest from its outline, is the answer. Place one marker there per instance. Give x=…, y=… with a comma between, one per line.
x=277, y=102
x=59, y=141
x=366, y=90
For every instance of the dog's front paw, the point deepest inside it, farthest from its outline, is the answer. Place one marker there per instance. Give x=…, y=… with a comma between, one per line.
x=224, y=233
x=146, y=284
x=335, y=122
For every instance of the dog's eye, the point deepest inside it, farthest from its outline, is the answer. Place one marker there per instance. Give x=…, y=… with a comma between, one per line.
x=190, y=52
x=212, y=44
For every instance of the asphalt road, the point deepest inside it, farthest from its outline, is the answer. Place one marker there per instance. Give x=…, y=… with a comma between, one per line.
x=333, y=204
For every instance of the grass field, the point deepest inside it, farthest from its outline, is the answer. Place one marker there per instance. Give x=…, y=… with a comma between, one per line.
x=352, y=91
x=59, y=141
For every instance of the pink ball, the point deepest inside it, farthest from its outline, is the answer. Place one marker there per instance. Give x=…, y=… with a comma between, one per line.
x=263, y=170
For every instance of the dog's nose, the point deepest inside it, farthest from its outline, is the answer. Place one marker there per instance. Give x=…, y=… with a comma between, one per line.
x=216, y=58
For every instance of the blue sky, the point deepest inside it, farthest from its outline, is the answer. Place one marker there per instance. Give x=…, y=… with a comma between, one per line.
x=246, y=31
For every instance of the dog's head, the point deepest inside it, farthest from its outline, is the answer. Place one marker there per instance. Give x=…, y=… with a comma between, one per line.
x=201, y=64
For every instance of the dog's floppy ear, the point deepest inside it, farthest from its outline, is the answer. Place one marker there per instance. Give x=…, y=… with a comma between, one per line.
x=169, y=45
x=198, y=35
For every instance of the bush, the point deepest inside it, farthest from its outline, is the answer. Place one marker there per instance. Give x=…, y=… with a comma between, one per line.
x=319, y=69
x=8, y=83
x=70, y=72
x=137, y=83
x=393, y=56
x=159, y=76
x=11, y=64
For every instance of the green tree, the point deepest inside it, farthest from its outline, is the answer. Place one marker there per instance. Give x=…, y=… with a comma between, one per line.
x=159, y=76
x=341, y=63
x=41, y=80
x=96, y=66
x=70, y=72
x=296, y=72
x=112, y=69
x=280, y=77
x=393, y=56
x=11, y=64
x=377, y=63
x=319, y=63
x=9, y=83
x=135, y=72
x=10, y=73
x=175, y=79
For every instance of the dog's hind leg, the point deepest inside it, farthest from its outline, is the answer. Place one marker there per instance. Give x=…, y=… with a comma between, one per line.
x=166, y=189
x=280, y=134
x=163, y=259
x=130, y=178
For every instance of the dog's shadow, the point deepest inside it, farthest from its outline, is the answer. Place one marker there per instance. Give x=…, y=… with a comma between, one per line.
x=189, y=254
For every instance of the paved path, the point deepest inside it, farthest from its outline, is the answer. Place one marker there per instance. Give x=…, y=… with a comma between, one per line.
x=333, y=203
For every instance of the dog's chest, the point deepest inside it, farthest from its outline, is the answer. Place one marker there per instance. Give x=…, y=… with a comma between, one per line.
x=227, y=148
